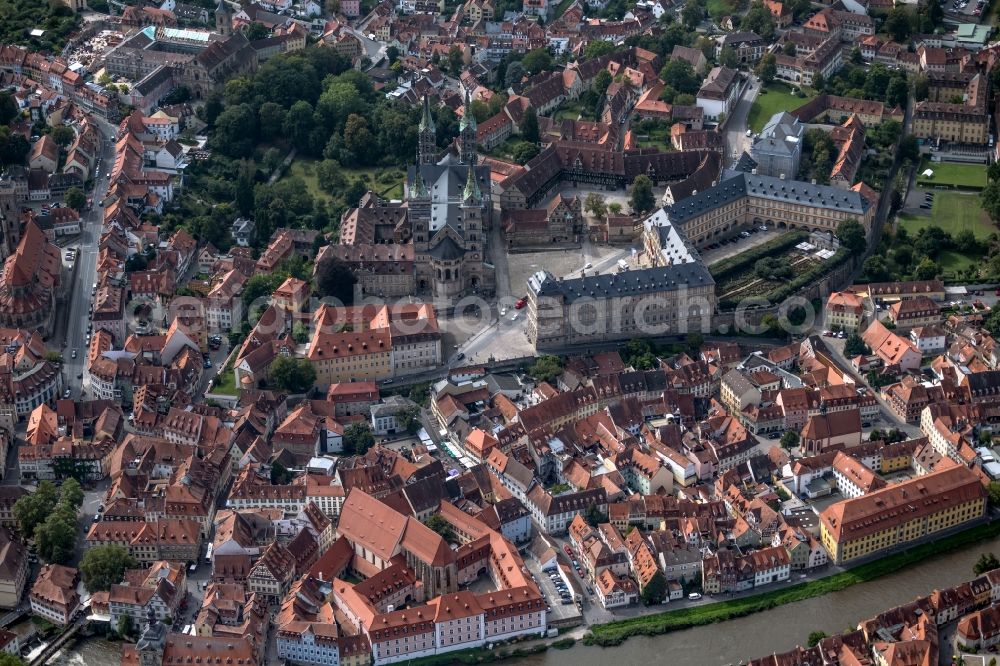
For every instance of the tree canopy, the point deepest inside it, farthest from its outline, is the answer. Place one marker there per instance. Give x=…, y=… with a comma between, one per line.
x=294, y=375
x=655, y=590
x=75, y=198
x=537, y=61
x=335, y=279
x=546, y=368
x=789, y=440
x=851, y=235
x=986, y=562
x=358, y=438
x=104, y=566
x=641, y=194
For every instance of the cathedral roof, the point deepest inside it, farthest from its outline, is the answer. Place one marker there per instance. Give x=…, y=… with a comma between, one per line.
x=446, y=250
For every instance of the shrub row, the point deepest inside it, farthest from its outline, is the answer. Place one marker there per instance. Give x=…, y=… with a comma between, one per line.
x=745, y=260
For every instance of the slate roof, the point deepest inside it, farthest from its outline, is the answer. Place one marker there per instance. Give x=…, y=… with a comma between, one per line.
x=634, y=282
x=737, y=185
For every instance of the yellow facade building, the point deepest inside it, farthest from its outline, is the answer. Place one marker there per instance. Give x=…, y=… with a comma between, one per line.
x=900, y=514
x=844, y=311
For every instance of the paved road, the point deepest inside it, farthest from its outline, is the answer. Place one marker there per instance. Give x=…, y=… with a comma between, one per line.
x=374, y=50
x=834, y=348
x=736, y=129
x=86, y=272
x=497, y=252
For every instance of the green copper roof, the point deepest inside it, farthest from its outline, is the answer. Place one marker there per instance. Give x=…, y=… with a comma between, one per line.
x=472, y=187
x=427, y=120
x=420, y=187
x=468, y=120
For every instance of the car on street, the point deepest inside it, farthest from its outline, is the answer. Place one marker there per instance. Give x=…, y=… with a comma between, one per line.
x=588, y=265
x=520, y=303
x=503, y=312
x=694, y=596
x=774, y=435
x=67, y=393
x=513, y=317
x=73, y=354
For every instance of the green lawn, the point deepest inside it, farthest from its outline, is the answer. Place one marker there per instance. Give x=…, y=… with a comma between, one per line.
x=967, y=176
x=225, y=382
x=305, y=169
x=388, y=182
x=773, y=98
x=568, y=112
x=953, y=212
x=956, y=262
x=719, y=8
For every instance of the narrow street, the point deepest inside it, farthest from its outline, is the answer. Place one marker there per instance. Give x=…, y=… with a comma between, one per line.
x=737, y=140
x=497, y=255
x=76, y=317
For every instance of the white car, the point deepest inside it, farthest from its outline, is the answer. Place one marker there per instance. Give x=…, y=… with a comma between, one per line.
x=514, y=316
x=503, y=312
x=588, y=265
x=749, y=132
x=73, y=355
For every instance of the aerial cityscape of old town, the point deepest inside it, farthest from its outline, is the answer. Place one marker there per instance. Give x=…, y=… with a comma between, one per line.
x=548, y=332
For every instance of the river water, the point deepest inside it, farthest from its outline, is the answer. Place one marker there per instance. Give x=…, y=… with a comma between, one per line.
x=91, y=652
x=776, y=630
x=779, y=629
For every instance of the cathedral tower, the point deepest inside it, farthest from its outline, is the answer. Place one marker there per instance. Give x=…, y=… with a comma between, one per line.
x=467, y=133
x=427, y=135
x=223, y=19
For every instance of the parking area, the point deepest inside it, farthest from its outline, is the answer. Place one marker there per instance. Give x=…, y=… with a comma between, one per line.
x=965, y=10
x=919, y=201
x=552, y=589
x=727, y=248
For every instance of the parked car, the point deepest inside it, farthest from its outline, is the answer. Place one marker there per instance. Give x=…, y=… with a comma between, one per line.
x=520, y=303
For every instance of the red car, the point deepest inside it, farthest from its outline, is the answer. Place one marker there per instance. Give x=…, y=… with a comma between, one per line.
x=568, y=551
x=520, y=303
